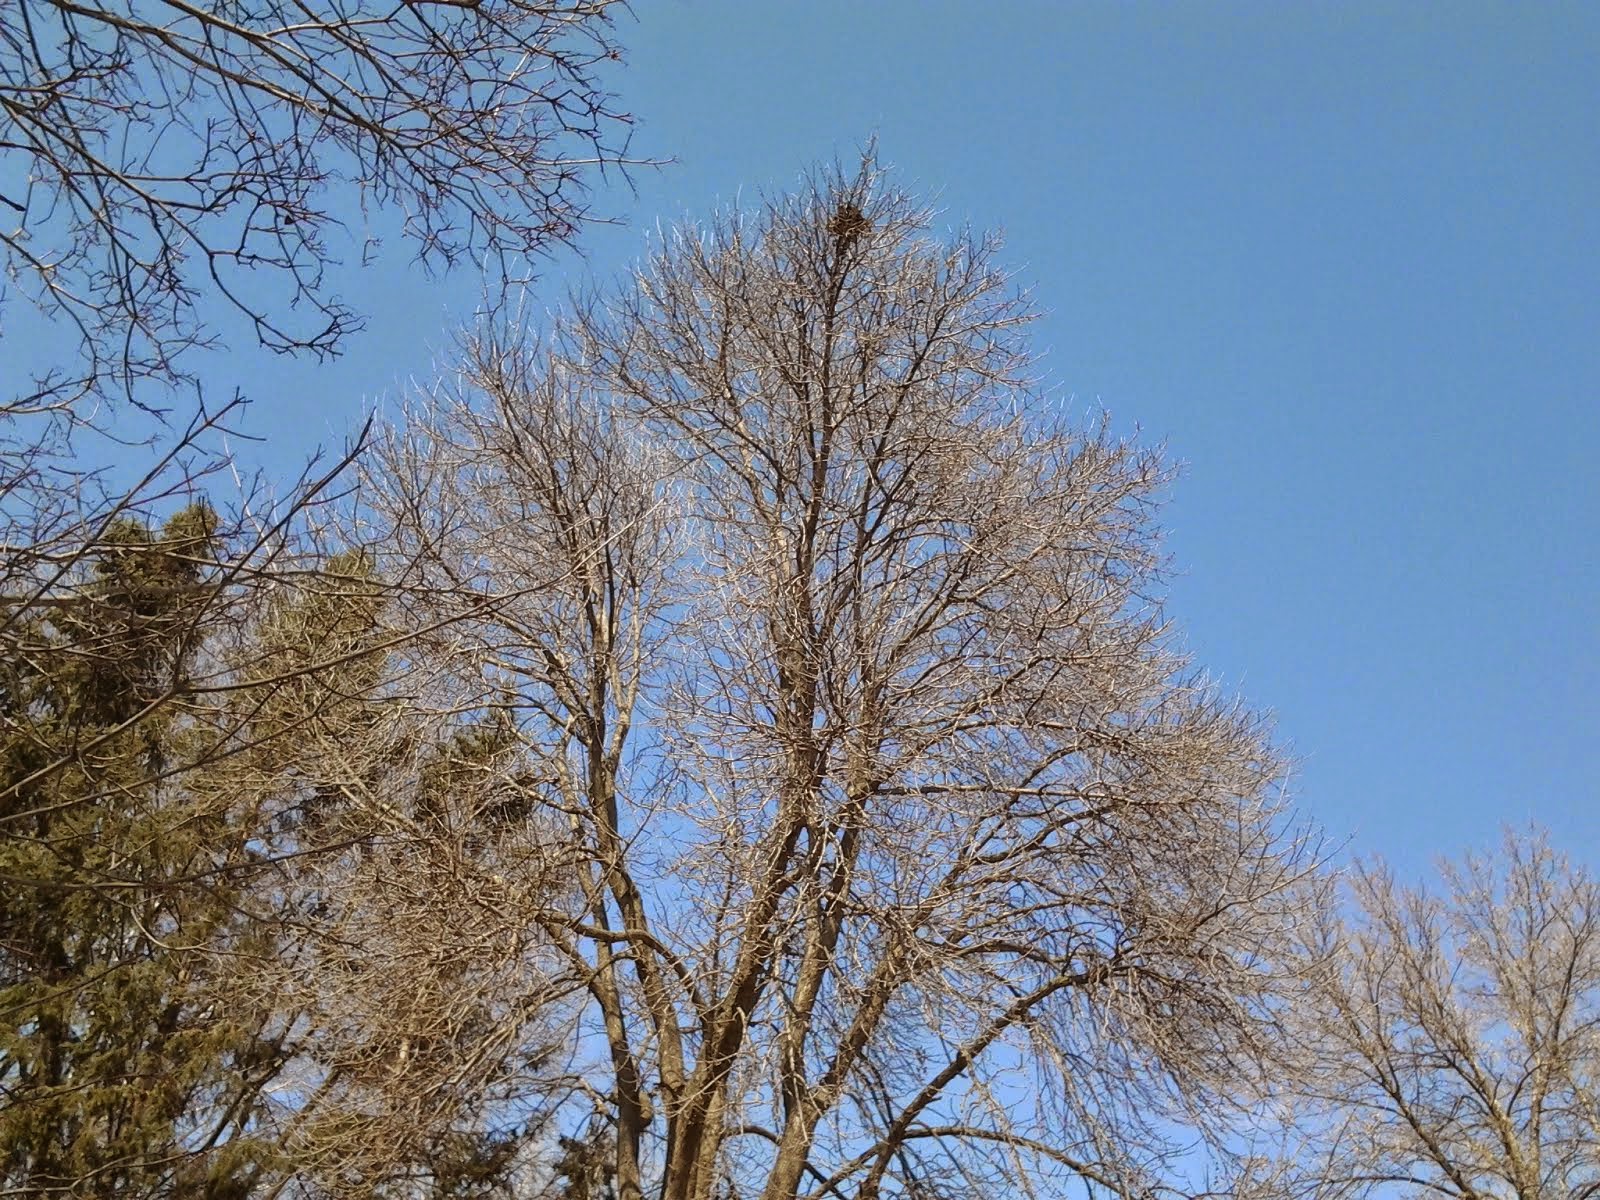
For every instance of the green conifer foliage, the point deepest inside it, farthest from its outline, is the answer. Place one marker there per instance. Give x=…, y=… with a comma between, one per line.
x=122, y=1076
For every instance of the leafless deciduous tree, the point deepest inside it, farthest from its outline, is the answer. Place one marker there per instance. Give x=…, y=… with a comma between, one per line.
x=422, y=1026
x=161, y=159
x=1459, y=1036
x=911, y=857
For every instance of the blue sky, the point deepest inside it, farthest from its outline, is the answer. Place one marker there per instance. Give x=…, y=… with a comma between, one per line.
x=1344, y=260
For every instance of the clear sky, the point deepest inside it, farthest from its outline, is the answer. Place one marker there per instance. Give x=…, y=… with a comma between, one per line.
x=1343, y=259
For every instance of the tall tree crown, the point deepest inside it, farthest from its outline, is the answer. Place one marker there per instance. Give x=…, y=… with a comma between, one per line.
x=913, y=857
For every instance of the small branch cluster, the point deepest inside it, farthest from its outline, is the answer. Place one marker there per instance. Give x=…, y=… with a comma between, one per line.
x=161, y=161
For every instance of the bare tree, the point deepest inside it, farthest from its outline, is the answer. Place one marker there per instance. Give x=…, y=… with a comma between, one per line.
x=1459, y=1034
x=161, y=162
x=423, y=1025
x=911, y=856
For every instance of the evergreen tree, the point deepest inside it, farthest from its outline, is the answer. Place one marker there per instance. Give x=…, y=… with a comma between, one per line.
x=122, y=1075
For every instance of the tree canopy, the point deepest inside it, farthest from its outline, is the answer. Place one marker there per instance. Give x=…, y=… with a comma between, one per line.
x=911, y=857
x=727, y=742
